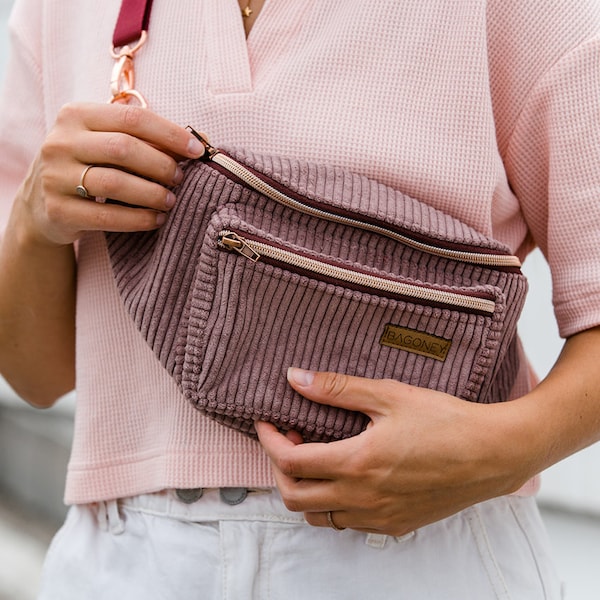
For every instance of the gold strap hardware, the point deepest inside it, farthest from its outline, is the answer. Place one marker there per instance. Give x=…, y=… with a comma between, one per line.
x=122, y=81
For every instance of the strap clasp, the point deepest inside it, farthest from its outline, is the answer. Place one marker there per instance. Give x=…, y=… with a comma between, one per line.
x=122, y=81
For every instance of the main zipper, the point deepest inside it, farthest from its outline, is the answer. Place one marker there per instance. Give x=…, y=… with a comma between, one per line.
x=254, y=250
x=262, y=187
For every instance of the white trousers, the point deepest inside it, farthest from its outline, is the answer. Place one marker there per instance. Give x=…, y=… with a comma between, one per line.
x=157, y=547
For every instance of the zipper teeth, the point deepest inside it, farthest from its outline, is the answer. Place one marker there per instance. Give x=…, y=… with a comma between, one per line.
x=363, y=279
x=237, y=169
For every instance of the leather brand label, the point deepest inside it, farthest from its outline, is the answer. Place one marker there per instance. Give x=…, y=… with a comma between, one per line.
x=416, y=342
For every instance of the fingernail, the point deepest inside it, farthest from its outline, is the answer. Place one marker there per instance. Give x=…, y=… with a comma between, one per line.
x=300, y=376
x=195, y=147
x=161, y=218
x=170, y=200
x=178, y=177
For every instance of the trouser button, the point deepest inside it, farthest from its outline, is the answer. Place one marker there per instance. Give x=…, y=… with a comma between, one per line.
x=189, y=496
x=233, y=495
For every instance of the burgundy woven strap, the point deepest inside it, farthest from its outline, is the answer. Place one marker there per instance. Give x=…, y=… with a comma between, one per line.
x=134, y=18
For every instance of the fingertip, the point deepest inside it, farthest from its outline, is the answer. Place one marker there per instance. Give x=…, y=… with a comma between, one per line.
x=263, y=428
x=300, y=377
x=197, y=143
x=195, y=148
x=178, y=176
x=295, y=437
x=269, y=434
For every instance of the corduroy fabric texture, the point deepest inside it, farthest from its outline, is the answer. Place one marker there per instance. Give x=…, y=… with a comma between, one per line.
x=226, y=327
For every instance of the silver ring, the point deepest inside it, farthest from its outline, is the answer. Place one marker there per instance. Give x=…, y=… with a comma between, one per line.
x=331, y=523
x=81, y=189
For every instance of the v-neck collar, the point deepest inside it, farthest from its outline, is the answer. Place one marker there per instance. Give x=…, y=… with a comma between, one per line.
x=229, y=61
x=235, y=57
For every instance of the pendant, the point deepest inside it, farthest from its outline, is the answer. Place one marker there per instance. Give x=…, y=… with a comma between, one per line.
x=246, y=12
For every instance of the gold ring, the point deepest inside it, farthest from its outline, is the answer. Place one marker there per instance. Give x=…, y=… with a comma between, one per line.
x=81, y=189
x=331, y=523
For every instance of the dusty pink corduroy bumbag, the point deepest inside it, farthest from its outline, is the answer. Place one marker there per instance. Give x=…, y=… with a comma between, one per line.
x=267, y=262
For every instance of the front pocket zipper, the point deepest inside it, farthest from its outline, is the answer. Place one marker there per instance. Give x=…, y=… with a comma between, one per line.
x=262, y=184
x=254, y=250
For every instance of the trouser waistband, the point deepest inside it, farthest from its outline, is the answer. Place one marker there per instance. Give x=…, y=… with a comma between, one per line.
x=213, y=504
x=209, y=505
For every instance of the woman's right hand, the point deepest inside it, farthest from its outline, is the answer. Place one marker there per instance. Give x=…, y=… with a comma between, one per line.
x=134, y=154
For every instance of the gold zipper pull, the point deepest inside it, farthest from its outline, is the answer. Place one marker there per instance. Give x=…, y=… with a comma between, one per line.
x=232, y=241
x=209, y=151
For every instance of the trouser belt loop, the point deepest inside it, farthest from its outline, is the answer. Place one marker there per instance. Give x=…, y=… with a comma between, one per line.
x=376, y=540
x=109, y=518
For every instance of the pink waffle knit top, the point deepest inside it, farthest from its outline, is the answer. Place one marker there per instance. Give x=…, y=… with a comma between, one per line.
x=487, y=110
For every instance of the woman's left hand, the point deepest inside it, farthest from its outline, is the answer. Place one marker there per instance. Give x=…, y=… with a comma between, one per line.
x=424, y=456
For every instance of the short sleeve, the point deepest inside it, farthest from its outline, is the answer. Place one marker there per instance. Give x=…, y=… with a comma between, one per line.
x=553, y=164
x=544, y=59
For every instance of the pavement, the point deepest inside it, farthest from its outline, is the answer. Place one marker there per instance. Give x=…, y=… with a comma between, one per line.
x=575, y=540
x=24, y=539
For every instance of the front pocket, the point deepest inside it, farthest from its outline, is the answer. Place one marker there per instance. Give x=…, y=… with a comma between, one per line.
x=266, y=304
x=327, y=269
